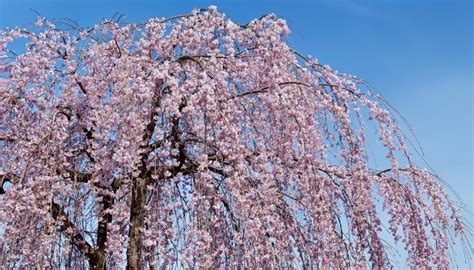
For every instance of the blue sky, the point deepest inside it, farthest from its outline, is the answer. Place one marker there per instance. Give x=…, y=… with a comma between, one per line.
x=418, y=54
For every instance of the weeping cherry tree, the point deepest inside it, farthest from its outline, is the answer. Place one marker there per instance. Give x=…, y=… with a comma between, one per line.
x=196, y=142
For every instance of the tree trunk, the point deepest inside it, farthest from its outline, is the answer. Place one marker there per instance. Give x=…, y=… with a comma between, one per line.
x=137, y=206
x=137, y=218
x=102, y=233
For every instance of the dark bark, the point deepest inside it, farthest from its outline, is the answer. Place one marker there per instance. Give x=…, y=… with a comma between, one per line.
x=75, y=237
x=102, y=233
x=139, y=186
x=137, y=219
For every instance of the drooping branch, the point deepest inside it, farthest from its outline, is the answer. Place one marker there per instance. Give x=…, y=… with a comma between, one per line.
x=139, y=188
x=265, y=89
x=67, y=227
x=204, y=144
x=76, y=238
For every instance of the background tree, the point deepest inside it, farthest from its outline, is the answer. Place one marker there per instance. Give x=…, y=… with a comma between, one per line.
x=193, y=141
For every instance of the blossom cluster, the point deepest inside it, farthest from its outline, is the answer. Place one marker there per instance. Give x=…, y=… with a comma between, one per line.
x=251, y=155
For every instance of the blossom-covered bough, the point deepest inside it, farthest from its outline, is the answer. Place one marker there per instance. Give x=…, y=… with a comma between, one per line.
x=195, y=142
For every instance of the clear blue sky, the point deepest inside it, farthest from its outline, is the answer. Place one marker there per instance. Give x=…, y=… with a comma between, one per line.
x=418, y=54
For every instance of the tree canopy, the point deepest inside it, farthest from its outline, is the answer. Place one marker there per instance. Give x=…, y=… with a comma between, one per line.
x=197, y=142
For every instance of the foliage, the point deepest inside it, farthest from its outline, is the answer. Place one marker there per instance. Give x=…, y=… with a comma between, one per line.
x=196, y=142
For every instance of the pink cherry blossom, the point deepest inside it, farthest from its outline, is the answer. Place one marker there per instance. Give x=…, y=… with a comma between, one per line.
x=197, y=142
